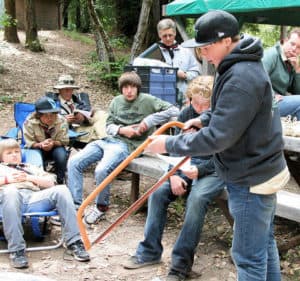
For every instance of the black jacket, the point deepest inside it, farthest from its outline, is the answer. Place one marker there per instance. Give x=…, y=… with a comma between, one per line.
x=244, y=132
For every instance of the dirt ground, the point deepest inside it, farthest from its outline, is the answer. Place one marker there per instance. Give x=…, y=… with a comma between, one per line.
x=26, y=77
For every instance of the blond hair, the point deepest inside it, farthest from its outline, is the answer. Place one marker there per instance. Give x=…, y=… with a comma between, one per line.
x=200, y=86
x=7, y=144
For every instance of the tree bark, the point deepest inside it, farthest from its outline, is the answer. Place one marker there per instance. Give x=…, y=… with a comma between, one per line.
x=66, y=4
x=32, y=40
x=104, y=49
x=10, y=30
x=142, y=29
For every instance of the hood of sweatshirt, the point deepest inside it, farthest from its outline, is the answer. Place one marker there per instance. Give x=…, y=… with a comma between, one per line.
x=248, y=48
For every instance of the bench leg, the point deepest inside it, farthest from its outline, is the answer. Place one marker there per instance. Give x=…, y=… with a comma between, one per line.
x=222, y=204
x=135, y=184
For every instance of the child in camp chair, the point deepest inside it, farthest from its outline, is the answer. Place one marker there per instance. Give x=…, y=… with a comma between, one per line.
x=27, y=188
x=47, y=131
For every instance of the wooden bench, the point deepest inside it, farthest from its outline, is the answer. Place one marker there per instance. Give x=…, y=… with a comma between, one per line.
x=154, y=167
x=288, y=203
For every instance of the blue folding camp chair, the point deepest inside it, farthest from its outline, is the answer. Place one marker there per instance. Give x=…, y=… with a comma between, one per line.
x=33, y=156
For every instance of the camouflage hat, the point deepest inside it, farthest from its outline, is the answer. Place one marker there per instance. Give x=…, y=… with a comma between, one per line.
x=66, y=81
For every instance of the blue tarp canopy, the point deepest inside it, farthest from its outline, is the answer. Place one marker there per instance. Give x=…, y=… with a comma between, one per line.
x=278, y=12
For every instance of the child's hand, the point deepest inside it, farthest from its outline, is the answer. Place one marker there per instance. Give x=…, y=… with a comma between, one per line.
x=47, y=144
x=17, y=176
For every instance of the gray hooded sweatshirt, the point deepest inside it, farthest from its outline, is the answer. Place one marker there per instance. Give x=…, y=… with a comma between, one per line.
x=244, y=133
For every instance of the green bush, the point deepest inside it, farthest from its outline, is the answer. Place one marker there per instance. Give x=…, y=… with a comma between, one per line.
x=7, y=20
x=97, y=70
x=79, y=37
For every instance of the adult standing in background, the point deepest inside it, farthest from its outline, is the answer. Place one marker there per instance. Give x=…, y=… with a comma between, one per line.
x=282, y=64
x=177, y=56
x=247, y=156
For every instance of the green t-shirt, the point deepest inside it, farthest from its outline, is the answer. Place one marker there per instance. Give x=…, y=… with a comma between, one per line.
x=125, y=113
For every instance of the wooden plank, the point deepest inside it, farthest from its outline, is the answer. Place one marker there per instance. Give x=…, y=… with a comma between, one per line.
x=288, y=205
x=149, y=166
x=291, y=143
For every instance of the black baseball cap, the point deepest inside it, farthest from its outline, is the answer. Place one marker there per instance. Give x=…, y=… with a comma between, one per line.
x=212, y=27
x=46, y=105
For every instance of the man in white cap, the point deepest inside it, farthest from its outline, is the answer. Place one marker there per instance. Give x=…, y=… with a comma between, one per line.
x=244, y=135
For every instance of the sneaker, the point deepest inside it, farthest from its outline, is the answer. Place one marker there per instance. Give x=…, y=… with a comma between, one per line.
x=55, y=220
x=135, y=262
x=94, y=215
x=18, y=259
x=175, y=276
x=78, y=251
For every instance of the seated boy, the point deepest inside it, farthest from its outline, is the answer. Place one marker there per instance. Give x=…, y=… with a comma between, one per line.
x=47, y=131
x=198, y=181
x=132, y=117
x=26, y=188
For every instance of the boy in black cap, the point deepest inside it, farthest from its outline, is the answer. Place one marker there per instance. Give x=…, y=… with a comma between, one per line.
x=47, y=131
x=244, y=135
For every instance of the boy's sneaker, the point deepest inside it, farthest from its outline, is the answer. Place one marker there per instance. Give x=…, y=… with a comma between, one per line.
x=55, y=220
x=78, y=251
x=94, y=215
x=135, y=262
x=18, y=259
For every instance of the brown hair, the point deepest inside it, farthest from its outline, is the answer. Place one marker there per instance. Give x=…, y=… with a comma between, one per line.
x=8, y=144
x=129, y=78
x=200, y=86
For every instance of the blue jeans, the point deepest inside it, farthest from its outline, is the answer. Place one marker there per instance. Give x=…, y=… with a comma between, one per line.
x=202, y=193
x=109, y=153
x=254, y=249
x=13, y=202
x=59, y=155
x=290, y=105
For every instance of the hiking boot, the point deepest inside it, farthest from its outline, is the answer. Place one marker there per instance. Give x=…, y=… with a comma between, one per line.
x=94, y=215
x=135, y=262
x=78, y=251
x=55, y=220
x=18, y=259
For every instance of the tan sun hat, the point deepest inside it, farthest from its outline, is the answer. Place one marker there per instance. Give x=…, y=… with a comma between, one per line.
x=65, y=81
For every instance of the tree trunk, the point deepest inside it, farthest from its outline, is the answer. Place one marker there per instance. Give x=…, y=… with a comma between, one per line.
x=66, y=4
x=78, y=16
x=155, y=16
x=104, y=49
x=10, y=30
x=142, y=29
x=32, y=40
